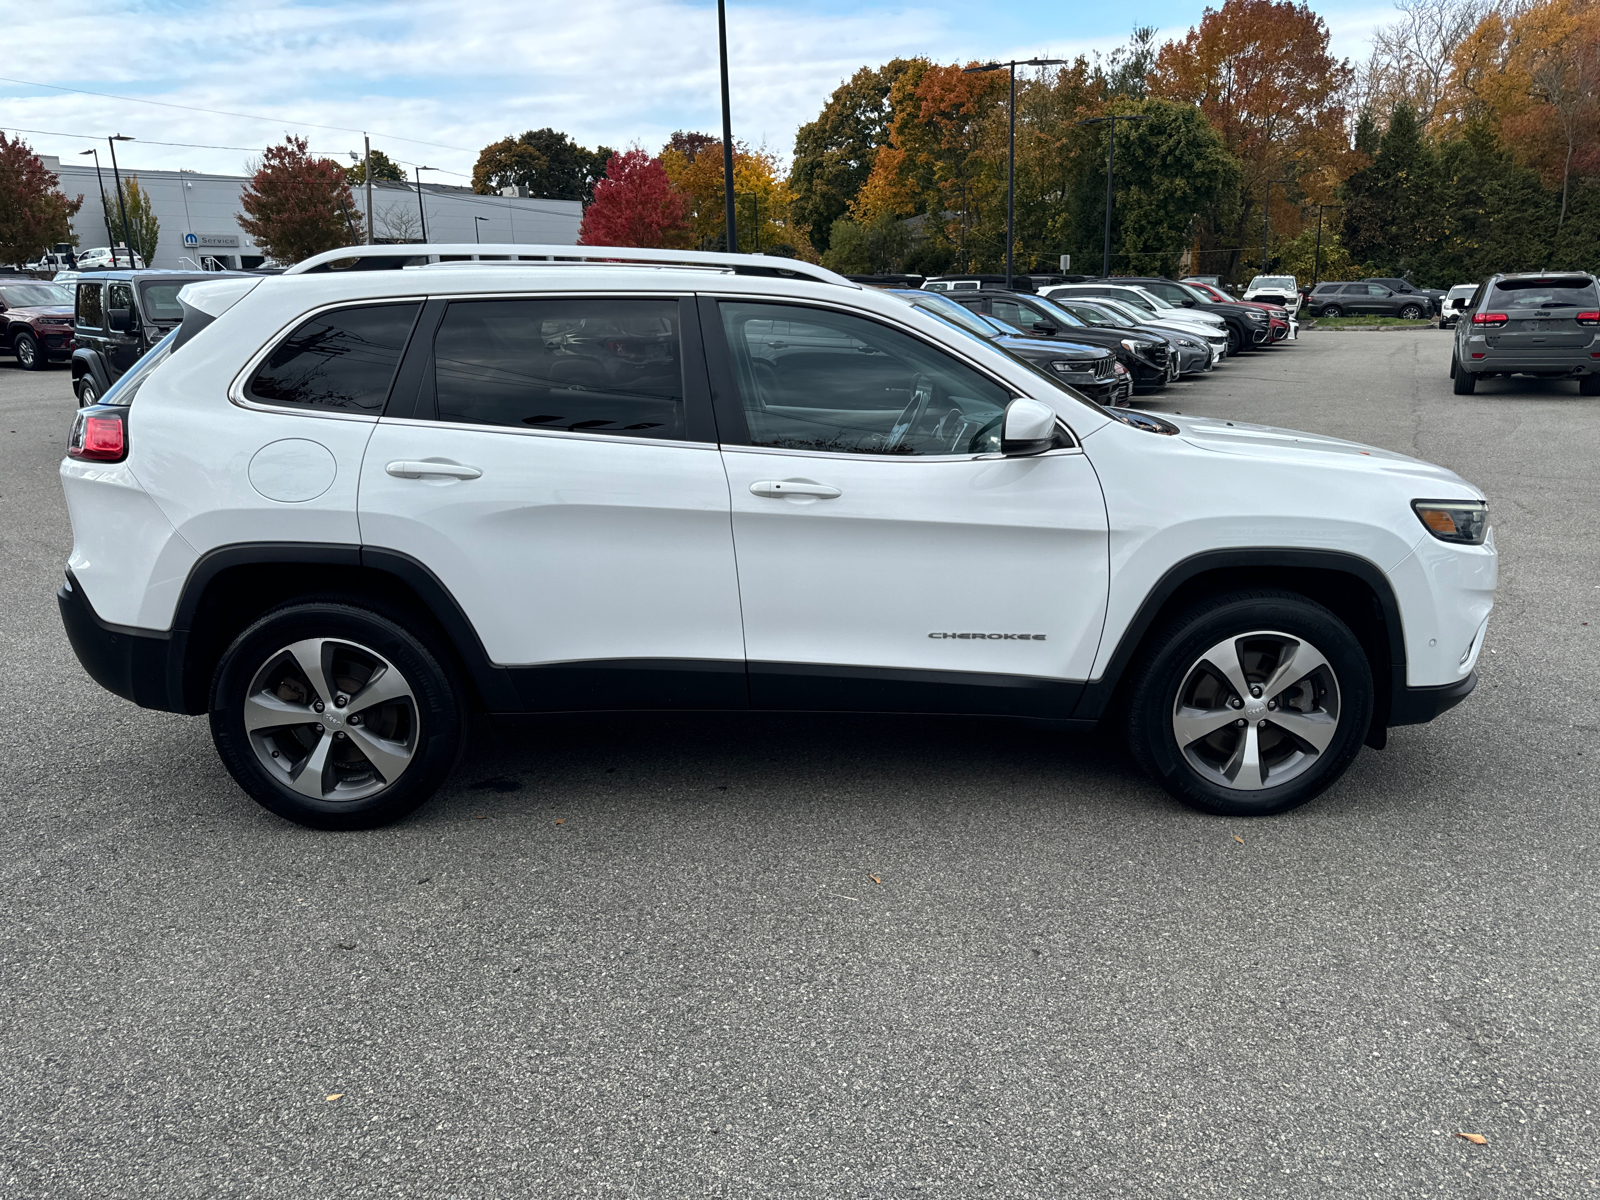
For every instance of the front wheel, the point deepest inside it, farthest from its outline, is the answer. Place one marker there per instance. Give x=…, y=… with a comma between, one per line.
x=1251, y=704
x=26, y=348
x=334, y=716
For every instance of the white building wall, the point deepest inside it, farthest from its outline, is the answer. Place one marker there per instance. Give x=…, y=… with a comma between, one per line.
x=208, y=206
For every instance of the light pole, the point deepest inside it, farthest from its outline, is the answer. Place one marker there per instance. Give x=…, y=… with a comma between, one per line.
x=420, y=213
x=475, y=236
x=1011, y=145
x=1266, y=218
x=105, y=209
x=727, y=131
x=1316, y=270
x=1111, y=174
x=117, y=177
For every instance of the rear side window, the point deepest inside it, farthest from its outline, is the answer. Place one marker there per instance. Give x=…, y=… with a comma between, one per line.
x=89, y=305
x=583, y=366
x=342, y=360
x=1557, y=291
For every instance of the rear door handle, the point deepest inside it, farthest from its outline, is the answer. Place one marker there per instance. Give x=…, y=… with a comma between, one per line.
x=793, y=487
x=414, y=469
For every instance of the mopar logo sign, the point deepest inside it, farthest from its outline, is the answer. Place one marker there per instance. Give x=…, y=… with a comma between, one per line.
x=211, y=241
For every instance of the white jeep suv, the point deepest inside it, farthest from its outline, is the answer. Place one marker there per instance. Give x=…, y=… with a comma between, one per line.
x=340, y=509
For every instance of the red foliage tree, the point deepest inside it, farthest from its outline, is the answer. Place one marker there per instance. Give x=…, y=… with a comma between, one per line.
x=635, y=205
x=297, y=206
x=33, y=214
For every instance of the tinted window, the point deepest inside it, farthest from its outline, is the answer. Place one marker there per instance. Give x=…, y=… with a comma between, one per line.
x=161, y=301
x=1375, y=290
x=120, y=295
x=812, y=379
x=343, y=359
x=1558, y=291
x=89, y=297
x=588, y=366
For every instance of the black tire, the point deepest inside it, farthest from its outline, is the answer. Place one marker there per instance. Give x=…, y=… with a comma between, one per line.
x=86, y=391
x=1235, y=341
x=1589, y=385
x=1332, y=310
x=1411, y=312
x=1168, y=670
x=1465, y=381
x=1454, y=364
x=426, y=726
x=29, y=356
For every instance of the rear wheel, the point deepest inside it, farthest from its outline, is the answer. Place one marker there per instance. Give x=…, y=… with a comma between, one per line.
x=1332, y=310
x=1410, y=312
x=1465, y=381
x=26, y=348
x=1251, y=704
x=1454, y=364
x=1589, y=385
x=335, y=717
x=87, y=392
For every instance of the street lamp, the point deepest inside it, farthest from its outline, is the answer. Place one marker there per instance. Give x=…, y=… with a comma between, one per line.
x=727, y=131
x=475, y=236
x=1266, y=217
x=420, y=213
x=1011, y=146
x=1111, y=173
x=117, y=176
x=105, y=209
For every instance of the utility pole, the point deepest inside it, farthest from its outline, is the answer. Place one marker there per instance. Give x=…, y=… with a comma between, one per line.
x=727, y=131
x=1266, y=217
x=367, y=170
x=1316, y=270
x=420, y=212
x=1011, y=144
x=121, y=208
x=476, y=221
x=105, y=209
x=1111, y=174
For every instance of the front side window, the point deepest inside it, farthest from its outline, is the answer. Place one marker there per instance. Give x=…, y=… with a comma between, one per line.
x=119, y=295
x=90, y=297
x=342, y=360
x=814, y=379
x=580, y=366
x=1374, y=289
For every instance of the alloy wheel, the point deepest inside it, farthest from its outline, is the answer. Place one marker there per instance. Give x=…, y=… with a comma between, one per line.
x=1257, y=710
x=331, y=719
x=26, y=352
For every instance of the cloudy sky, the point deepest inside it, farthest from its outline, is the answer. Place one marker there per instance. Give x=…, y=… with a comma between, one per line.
x=434, y=81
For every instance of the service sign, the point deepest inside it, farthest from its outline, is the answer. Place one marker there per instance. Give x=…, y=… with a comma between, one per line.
x=212, y=241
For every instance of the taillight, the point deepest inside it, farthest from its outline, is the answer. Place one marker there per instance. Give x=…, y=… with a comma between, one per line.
x=1589, y=318
x=100, y=435
x=1492, y=319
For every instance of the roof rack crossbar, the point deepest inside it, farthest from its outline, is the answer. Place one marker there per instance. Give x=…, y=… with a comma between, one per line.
x=394, y=257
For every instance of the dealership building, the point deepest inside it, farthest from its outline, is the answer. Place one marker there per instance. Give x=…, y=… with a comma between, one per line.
x=199, y=213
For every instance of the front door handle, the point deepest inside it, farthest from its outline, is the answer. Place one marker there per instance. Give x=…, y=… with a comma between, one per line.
x=777, y=488
x=414, y=469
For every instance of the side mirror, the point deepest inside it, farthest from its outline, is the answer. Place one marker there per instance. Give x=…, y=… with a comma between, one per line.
x=1188, y=303
x=1046, y=329
x=120, y=319
x=1029, y=428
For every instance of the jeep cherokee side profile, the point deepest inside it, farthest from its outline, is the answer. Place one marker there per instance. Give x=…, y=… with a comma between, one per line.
x=337, y=510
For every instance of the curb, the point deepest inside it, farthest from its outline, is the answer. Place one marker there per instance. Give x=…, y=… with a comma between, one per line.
x=1312, y=325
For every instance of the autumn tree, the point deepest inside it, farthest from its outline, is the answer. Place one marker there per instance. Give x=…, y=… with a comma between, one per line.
x=296, y=205
x=1413, y=59
x=549, y=164
x=34, y=215
x=1261, y=73
x=762, y=199
x=834, y=154
x=635, y=204
x=383, y=167
x=142, y=232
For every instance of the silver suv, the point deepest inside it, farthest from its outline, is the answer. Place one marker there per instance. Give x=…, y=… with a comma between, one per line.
x=1545, y=325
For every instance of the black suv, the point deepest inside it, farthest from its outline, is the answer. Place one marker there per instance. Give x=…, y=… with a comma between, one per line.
x=120, y=315
x=1146, y=357
x=1338, y=298
x=1432, y=297
x=1545, y=325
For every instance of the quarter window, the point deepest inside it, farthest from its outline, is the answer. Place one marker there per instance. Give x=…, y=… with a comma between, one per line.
x=584, y=366
x=89, y=305
x=811, y=379
x=342, y=360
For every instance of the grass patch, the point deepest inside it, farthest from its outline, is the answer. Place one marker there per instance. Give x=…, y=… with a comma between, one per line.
x=1369, y=323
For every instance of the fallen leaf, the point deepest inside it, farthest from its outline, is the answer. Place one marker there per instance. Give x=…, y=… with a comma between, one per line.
x=480, y=818
x=1238, y=839
x=1477, y=1139
x=875, y=880
x=561, y=820
x=335, y=1096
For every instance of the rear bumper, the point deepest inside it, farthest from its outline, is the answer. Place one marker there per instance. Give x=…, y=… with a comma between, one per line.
x=141, y=665
x=1568, y=365
x=1418, y=705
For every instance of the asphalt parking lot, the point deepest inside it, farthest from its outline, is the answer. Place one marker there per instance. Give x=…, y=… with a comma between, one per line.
x=834, y=956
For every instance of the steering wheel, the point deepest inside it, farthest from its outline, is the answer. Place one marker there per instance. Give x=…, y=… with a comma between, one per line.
x=921, y=396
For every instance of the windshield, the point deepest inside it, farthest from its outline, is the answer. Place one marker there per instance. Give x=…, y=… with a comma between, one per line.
x=161, y=300
x=942, y=306
x=1286, y=282
x=1557, y=291
x=124, y=389
x=1068, y=321
x=1098, y=313
x=28, y=295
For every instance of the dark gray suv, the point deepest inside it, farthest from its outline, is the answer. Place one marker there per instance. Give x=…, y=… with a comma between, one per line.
x=1341, y=299
x=1542, y=325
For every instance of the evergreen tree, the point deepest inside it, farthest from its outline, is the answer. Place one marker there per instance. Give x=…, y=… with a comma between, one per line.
x=1392, y=211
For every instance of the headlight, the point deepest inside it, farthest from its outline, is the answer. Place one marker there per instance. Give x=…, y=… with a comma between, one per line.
x=1465, y=522
x=1067, y=367
x=1133, y=347
x=1255, y=314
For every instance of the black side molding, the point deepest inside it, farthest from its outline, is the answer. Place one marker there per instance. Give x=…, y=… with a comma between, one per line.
x=136, y=664
x=1417, y=705
x=804, y=687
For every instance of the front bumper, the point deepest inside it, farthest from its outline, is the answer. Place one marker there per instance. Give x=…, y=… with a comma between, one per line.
x=137, y=664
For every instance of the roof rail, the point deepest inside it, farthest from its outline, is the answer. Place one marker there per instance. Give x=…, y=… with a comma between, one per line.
x=386, y=258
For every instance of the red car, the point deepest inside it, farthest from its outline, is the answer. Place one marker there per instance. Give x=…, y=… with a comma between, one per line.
x=1279, y=324
x=36, y=322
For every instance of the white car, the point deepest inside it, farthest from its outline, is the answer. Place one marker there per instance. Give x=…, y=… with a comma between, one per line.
x=1282, y=290
x=1215, y=340
x=339, y=510
x=1454, y=301
x=101, y=256
x=1194, y=320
